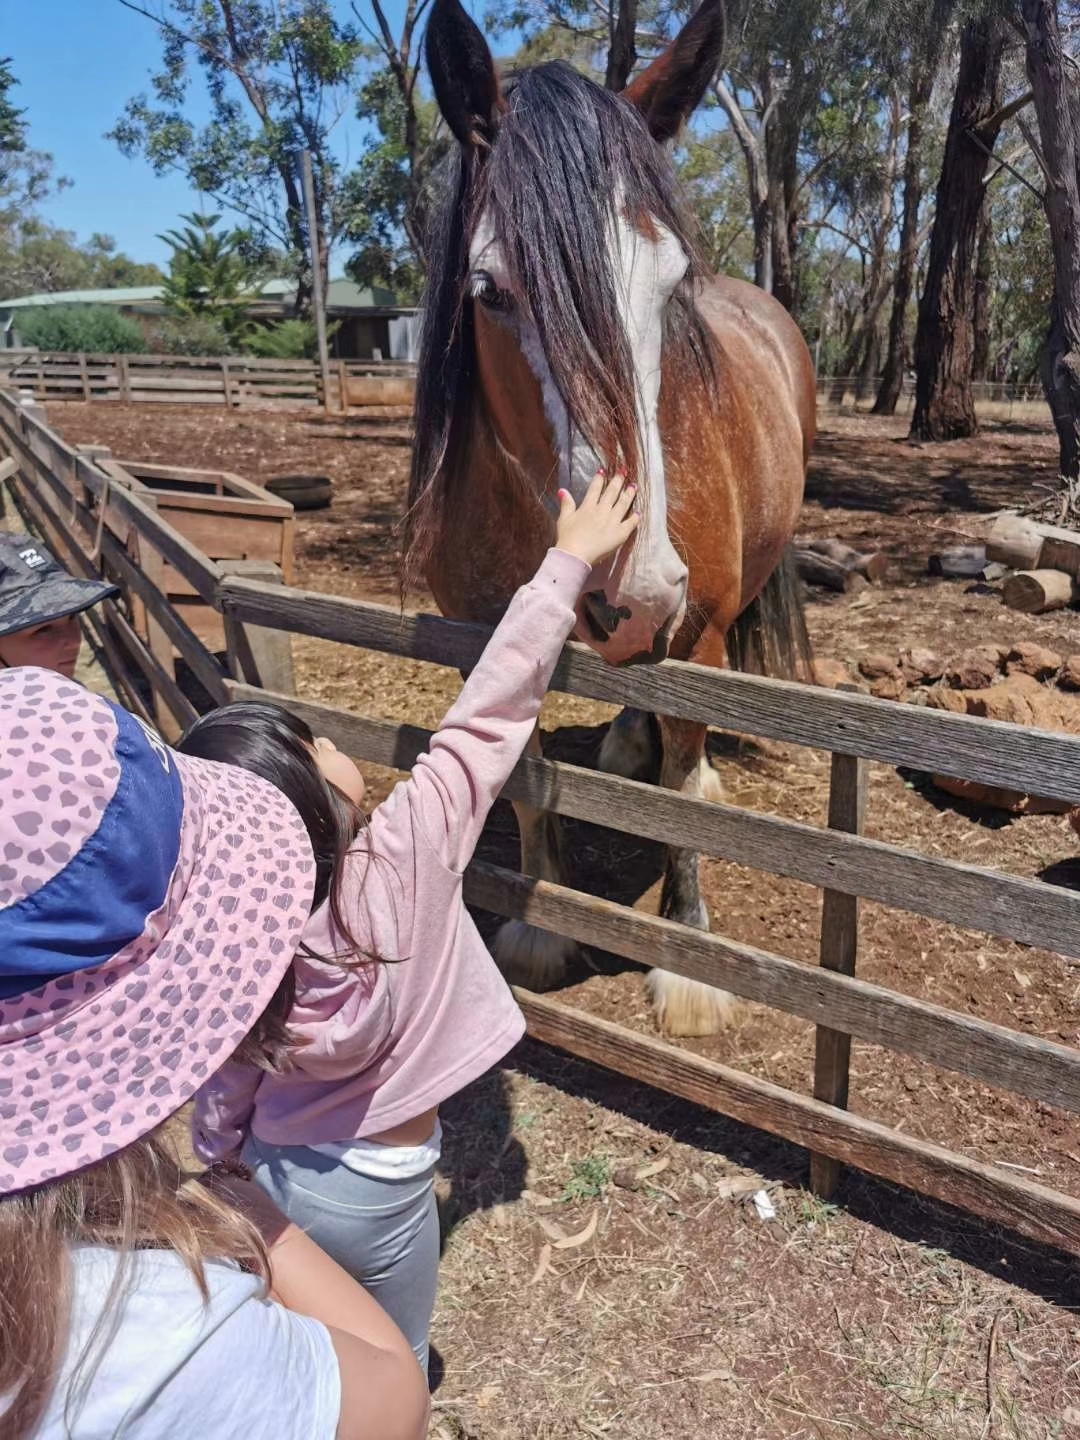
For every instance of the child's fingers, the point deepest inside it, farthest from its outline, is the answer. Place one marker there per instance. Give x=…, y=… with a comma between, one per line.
x=566, y=504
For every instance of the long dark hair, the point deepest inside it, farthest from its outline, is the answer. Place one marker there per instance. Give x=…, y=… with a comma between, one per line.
x=566, y=158
x=277, y=745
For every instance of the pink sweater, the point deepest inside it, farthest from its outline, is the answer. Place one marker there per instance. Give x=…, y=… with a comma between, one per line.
x=389, y=1041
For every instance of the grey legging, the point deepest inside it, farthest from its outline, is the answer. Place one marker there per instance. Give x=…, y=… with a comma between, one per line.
x=385, y=1233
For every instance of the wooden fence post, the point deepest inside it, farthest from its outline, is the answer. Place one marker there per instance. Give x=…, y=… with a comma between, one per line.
x=124, y=378
x=259, y=656
x=84, y=376
x=839, y=949
x=225, y=384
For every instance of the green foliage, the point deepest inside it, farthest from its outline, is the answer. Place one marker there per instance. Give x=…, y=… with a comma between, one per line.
x=383, y=198
x=210, y=276
x=99, y=329
x=588, y=1178
x=276, y=75
x=188, y=335
x=288, y=340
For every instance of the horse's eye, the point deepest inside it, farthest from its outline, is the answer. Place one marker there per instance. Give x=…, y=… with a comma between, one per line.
x=482, y=287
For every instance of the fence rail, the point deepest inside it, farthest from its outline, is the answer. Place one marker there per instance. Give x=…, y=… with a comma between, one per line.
x=68, y=496
x=859, y=391
x=238, y=381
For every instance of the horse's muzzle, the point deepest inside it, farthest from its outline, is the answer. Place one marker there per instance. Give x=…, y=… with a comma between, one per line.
x=658, y=652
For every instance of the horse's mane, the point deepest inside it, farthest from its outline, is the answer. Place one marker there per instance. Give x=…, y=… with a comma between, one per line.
x=566, y=154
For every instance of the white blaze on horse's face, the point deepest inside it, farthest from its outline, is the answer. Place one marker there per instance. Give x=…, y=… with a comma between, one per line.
x=634, y=605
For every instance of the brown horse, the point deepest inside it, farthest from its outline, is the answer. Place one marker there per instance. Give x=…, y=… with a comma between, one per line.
x=569, y=323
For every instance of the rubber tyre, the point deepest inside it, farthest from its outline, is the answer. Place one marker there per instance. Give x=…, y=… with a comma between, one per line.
x=304, y=492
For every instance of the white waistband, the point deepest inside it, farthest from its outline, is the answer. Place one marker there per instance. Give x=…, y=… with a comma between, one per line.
x=385, y=1162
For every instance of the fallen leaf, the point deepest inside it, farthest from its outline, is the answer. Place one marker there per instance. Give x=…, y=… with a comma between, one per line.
x=654, y=1169
x=710, y=1375
x=736, y=1185
x=696, y=1178
x=572, y=1242
x=543, y=1266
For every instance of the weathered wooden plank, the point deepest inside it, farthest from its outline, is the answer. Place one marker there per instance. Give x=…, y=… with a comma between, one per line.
x=839, y=951
x=1034, y=1210
x=988, y=900
x=1009, y=1059
x=1038, y=761
x=162, y=683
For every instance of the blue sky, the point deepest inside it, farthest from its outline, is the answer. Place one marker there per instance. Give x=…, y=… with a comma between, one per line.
x=77, y=62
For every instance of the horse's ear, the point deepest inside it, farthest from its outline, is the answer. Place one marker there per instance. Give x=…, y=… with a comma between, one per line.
x=673, y=86
x=462, y=73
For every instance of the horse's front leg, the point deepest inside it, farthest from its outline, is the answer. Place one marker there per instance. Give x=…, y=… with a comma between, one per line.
x=686, y=1007
x=527, y=956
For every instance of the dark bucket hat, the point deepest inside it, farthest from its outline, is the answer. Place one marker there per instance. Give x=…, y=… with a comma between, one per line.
x=35, y=588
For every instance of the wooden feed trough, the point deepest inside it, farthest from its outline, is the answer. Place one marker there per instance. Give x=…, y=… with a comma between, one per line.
x=227, y=518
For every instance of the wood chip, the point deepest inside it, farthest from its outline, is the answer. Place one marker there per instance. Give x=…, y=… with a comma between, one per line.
x=710, y=1375
x=656, y=1168
x=1021, y=979
x=541, y=1202
x=543, y=1265
x=572, y=1242
x=736, y=1185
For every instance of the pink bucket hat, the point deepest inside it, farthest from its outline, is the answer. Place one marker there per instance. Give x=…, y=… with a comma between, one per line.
x=150, y=904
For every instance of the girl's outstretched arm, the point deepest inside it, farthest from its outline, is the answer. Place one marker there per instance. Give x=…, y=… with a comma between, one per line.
x=455, y=783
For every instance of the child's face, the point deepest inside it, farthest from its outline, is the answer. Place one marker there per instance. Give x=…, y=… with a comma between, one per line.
x=339, y=770
x=53, y=646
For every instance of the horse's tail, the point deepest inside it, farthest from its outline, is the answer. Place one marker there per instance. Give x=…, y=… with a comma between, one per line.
x=770, y=636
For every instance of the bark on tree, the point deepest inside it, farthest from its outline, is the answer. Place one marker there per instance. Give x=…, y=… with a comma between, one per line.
x=1057, y=108
x=924, y=68
x=944, y=340
x=984, y=263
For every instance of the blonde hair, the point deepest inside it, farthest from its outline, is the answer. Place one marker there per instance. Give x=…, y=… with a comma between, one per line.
x=142, y=1198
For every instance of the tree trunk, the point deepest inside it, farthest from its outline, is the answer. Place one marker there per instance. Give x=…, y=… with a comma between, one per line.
x=621, y=52
x=892, y=377
x=1056, y=107
x=984, y=264
x=944, y=340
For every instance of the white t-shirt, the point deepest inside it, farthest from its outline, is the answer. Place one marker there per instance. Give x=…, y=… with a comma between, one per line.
x=175, y=1366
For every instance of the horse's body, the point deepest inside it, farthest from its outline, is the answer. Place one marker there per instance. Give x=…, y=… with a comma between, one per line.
x=720, y=430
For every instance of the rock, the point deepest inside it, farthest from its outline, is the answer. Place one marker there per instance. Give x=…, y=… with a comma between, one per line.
x=833, y=674
x=889, y=687
x=1069, y=678
x=921, y=667
x=1035, y=660
x=942, y=697
x=974, y=669
x=1015, y=700
x=879, y=667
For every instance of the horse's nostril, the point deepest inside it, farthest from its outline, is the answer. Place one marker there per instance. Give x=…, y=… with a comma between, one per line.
x=602, y=618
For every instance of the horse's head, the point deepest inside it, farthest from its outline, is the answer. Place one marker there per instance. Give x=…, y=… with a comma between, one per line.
x=564, y=262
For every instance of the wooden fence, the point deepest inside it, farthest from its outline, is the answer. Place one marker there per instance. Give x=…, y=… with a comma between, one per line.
x=68, y=496
x=239, y=381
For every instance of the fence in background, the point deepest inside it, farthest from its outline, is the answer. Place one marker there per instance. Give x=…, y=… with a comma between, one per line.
x=96, y=526
x=235, y=380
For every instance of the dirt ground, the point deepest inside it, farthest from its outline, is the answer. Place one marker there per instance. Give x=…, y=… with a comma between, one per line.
x=679, y=1312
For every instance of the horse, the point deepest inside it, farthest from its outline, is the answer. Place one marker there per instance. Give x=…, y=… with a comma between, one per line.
x=569, y=323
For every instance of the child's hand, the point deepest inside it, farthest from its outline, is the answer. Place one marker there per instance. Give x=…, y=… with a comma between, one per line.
x=603, y=521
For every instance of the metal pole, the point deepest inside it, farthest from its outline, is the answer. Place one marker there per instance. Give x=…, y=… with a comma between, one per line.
x=317, y=294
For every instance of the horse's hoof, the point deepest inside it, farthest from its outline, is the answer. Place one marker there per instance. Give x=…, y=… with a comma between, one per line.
x=531, y=957
x=687, y=1007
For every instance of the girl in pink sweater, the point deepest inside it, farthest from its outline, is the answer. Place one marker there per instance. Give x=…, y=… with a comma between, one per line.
x=392, y=1003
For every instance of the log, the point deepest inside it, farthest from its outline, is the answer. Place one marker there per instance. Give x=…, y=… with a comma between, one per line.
x=1025, y=544
x=963, y=562
x=818, y=569
x=870, y=564
x=1035, y=591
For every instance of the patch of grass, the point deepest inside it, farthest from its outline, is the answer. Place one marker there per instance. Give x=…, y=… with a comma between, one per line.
x=588, y=1178
x=813, y=1211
